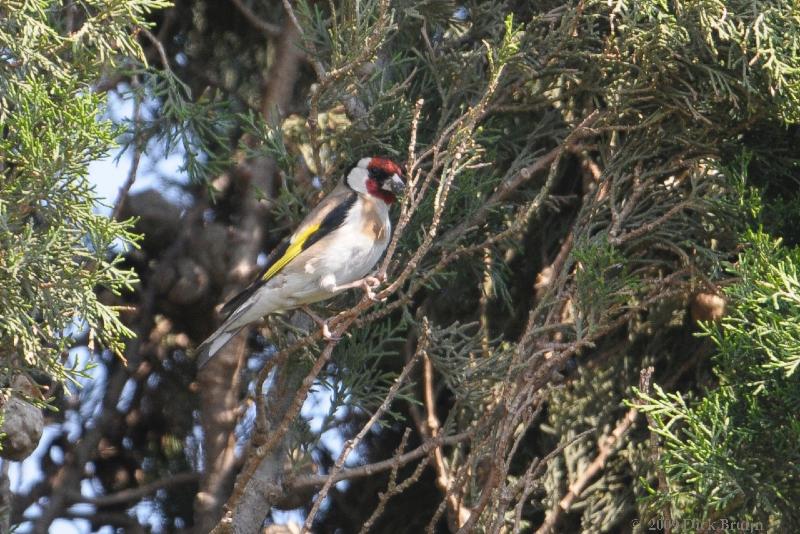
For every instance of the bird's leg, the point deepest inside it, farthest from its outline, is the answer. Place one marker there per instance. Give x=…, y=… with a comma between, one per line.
x=326, y=331
x=367, y=284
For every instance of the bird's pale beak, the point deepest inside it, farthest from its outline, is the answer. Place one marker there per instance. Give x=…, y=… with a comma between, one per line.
x=395, y=184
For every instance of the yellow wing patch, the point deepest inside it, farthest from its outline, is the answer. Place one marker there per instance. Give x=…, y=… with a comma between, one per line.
x=295, y=247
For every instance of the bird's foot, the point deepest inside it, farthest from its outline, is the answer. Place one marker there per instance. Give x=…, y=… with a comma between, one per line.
x=327, y=334
x=323, y=323
x=369, y=283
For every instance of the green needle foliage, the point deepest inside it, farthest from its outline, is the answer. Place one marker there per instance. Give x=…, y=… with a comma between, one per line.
x=733, y=452
x=55, y=249
x=571, y=191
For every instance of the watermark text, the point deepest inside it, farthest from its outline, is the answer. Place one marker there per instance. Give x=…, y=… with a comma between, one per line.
x=724, y=524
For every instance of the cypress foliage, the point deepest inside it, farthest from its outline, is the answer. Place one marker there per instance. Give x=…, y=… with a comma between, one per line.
x=588, y=182
x=56, y=249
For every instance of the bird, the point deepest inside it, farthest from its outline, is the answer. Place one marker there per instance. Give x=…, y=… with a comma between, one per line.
x=333, y=249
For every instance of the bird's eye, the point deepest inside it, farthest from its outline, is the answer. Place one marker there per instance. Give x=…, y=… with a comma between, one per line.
x=378, y=175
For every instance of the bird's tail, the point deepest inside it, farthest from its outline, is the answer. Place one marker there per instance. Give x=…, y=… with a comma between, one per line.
x=215, y=342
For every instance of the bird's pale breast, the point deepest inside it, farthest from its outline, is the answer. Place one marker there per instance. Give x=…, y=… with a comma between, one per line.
x=346, y=255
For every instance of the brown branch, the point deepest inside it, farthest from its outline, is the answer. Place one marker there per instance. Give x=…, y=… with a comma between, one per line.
x=644, y=387
x=258, y=452
x=457, y=514
x=316, y=64
x=607, y=448
x=393, y=487
x=411, y=201
x=523, y=216
x=440, y=199
x=518, y=417
x=122, y=196
x=220, y=378
x=162, y=54
x=133, y=494
x=308, y=481
x=327, y=78
x=352, y=444
x=460, y=481
x=649, y=227
x=525, y=484
x=492, y=481
x=464, y=125
x=267, y=28
x=368, y=49
x=509, y=186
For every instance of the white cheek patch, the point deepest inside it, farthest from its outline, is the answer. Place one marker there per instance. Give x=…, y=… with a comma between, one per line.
x=357, y=179
x=309, y=267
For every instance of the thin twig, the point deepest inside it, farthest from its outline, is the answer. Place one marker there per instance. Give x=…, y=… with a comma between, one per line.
x=431, y=428
x=608, y=447
x=159, y=47
x=258, y=453
x=316, y=64
x=644, y=387
x=353, y=443
x=393, y=488
x=267, y=28
x=525, y=484
x=509, y=186
x=311, y=481
x=125, y=189
x=134, y=494
x=327, y=78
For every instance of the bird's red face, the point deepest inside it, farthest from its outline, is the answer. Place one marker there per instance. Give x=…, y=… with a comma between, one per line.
x=379, y=177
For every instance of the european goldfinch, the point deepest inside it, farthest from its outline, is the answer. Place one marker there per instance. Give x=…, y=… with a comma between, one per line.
x=333, y=249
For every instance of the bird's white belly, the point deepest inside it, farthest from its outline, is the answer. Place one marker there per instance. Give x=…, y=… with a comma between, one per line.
x=337, y=264
x=344, y=263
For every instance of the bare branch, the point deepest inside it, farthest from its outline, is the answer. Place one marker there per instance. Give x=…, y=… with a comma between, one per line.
x=267, y=28
x=159, y=47
x=423, y=450
x=134, y=494
x=319, y=69
x=353, y=443
x=607, y=448
x=457, y=514
x=136, y=142
x=394, y=488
